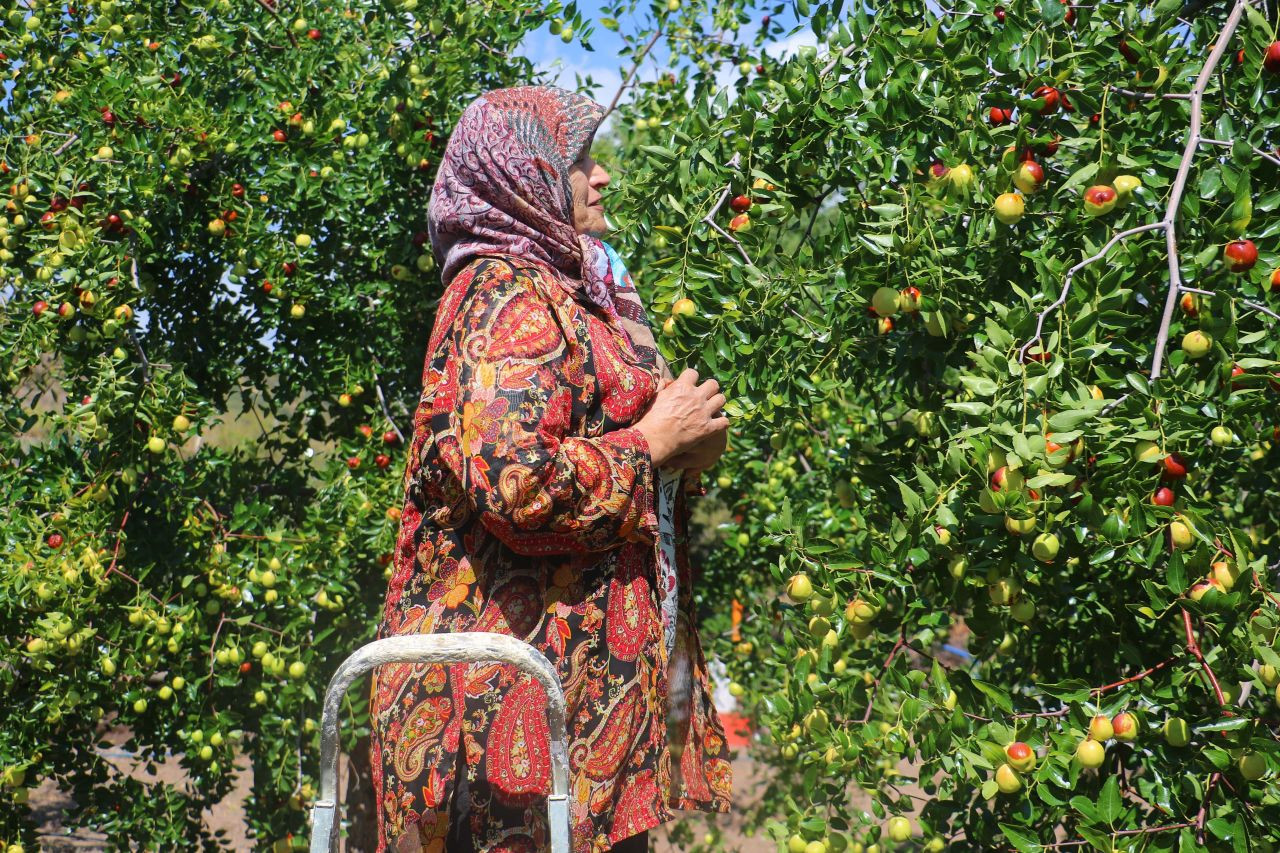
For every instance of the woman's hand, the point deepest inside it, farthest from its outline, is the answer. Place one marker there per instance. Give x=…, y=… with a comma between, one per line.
x=682, y=416
x=705, y=454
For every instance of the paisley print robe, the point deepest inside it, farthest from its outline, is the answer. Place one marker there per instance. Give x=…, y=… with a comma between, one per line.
x=530, y=510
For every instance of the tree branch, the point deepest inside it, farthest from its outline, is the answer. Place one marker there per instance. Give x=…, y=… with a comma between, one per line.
x=1180, y=181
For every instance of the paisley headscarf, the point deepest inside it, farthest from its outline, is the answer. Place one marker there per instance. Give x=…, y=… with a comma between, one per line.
x=503, y=188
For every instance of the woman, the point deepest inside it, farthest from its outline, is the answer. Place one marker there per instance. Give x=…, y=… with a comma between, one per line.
x=551, y=448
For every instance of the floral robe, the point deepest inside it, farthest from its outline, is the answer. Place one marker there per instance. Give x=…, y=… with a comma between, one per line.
x=530, y=511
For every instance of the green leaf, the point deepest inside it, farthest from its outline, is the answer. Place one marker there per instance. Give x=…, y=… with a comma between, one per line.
x=1109, y=805
x=1020, y=839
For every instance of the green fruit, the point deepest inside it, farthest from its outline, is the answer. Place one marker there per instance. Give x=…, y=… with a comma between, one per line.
x=1045, y=548
x=799, y=588
x=1090, y=754
x=885, y=301
x=1176, y=732
x=1196, y=344
x=899, y=829
x=1008, y=780
x=1221, y=436
x=1252, y=765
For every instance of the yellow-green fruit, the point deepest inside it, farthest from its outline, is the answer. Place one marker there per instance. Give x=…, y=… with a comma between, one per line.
x=957, y=566
x=1196, y=344
x=1252, y=765
x=1022, y=611
x=1100, y=728
x=1090, y=753
x=885, y=301
x=1221, y=436
x=859, y=611
x=1225, y=575
x=1019, y=526
x=1045, y=548
x=1269, y=675
x=799, y=588
x=816, y=721
x=796, y=844
x=1147, y=451
x=1124, y=186
x=899, y=829
x=1009, y=208
x=1176, y=732
x=1180, y=533
x=302, y=241
x=950, y=702
x=1124, y=726
x=1008, y=780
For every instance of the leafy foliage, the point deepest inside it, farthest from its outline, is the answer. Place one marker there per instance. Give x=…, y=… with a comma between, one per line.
x=143, y=549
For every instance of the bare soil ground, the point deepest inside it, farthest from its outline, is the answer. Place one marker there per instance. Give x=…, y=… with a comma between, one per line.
x=49, y=802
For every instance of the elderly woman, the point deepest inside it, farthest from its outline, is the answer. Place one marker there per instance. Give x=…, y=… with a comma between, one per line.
x=545, y=498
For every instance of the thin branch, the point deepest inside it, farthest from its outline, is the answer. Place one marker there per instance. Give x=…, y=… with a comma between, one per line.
x=724, y=196
x=272, y=9
x=1180, y=181
x=1146, y=831
x=1152, y=96
x=1265, y=155
x=1194, y=647
x=64, y=146
x=1066, y=284
x=635, y=66
x=875, y=688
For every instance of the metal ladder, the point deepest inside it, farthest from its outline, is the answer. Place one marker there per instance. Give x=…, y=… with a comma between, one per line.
x=469, y=647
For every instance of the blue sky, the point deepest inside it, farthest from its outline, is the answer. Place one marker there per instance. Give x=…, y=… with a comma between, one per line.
x=605, y=66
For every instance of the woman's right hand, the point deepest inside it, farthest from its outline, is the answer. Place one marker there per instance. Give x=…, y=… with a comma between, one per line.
x=682, y=414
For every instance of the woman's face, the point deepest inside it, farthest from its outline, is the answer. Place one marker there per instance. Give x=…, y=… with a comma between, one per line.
x=586, y=177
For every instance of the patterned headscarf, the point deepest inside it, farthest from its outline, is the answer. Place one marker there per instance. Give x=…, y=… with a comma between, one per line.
x=503, y=188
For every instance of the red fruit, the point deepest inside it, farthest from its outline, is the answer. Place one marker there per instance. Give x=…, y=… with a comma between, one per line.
x=1050, y=96
x=1126, y=51
x=390, y=437
x=1190, y=304
x=910, y=299
x=938, y=170
x=49, y=219
x=353, y=462
x=419, y=238
x=1175, y=467
x=1004, y=478
x=1095, y=118
x=366, y=430
x=1051, y=148
x=1236, y=370
x=382, y=460
x=55, y=540
x=1271, y=59
x=1240, y=56
x=1240, y=255
x=237, y=190
x=742, y=220
x=313, y=34
x=999, y=13
x=740, y=204
x=1070, y=16
x=39, y=307
x=279, y=136
x=1041, y=356
x=1163, y=496
x=1000, y=115
x=289, y=267
x=266, y=287
x=108, y=117
x=759, y=69
x=246, y=666
x=1275, y=280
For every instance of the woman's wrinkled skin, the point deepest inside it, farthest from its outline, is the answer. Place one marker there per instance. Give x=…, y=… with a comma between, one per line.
x=586, y=177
